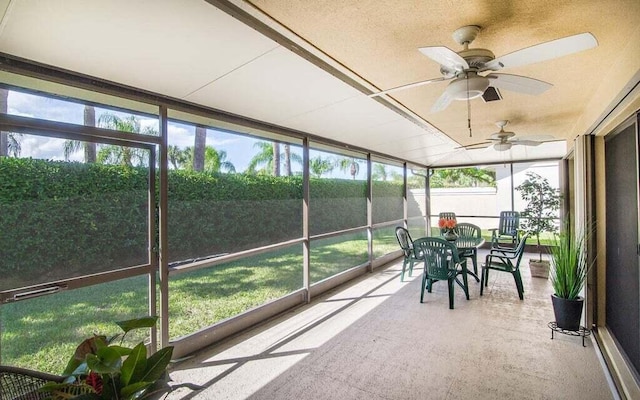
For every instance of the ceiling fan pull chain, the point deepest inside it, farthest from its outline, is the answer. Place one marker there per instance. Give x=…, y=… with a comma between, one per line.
x=468, y=109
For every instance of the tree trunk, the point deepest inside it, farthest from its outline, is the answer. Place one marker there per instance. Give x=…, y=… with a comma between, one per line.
x=89, y=147
x=4, y=136
x=353, y=169
x=287, y=160
x=276, y=159
x=198, y=148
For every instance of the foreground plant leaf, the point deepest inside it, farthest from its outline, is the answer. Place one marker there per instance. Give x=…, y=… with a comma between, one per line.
x=135, y=365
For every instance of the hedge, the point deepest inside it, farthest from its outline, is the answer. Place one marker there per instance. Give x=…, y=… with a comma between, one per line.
x=62, y=219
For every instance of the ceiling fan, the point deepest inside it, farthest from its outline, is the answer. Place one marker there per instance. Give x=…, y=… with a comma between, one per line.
x=504, y=140
x=464, y=68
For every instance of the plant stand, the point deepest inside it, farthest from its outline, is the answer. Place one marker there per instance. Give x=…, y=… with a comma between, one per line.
x=582, y=331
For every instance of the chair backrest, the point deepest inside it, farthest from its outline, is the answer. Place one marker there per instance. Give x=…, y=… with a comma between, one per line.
x=20, y=383
x=509, y=223
x=466, y=229
x=520, y=250
x=404, y=240
x=447, y=215
x=440, y=256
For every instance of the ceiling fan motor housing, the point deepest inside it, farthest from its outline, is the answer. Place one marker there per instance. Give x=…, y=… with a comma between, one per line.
x=471, y=87
x=477, y=58
x=503, y=146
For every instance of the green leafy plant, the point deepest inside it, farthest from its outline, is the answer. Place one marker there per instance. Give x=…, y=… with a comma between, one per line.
x=569, y=263
x=543, y=203
x=101, y=369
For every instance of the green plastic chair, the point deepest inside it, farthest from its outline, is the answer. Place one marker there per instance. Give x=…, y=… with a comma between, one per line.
x=406, y=244
x=505, y=261
x=21, y=383
x=441, y=263
x=466, y=229
x=506, y=236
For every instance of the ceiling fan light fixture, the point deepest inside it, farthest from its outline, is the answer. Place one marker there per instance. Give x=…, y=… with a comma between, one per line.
x=502, y=146
x=476, y=85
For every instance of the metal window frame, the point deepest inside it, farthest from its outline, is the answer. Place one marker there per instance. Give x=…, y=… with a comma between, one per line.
x=158, y=257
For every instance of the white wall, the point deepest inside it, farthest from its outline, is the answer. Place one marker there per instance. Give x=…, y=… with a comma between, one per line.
x=488, y=201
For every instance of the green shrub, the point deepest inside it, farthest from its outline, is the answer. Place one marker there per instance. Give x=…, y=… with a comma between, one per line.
x=64, y=219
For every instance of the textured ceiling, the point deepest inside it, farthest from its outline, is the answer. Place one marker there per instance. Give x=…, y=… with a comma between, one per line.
x=379, y=41
x=209, y=53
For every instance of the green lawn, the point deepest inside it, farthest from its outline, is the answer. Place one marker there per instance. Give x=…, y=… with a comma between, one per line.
x=42, y=333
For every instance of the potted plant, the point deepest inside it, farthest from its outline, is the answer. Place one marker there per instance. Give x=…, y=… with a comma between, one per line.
x=448, y=228
x=568, y=276
x=543, y=203
x=103, y=369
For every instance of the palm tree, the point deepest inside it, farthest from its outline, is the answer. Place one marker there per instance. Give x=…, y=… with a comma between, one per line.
x=379, y=172
x=177, y=157
x=287, y=159
x=263, y=157
x=199, y=144
x=269, y=155
x=276, y=159
x=123, y=155
x=90, y=148
x=216, y=161
x=9, y=141
x=290, y=157
x=349, y=164
x=319, y=166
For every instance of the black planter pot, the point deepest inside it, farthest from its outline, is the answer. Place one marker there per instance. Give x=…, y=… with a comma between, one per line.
x=567, y=312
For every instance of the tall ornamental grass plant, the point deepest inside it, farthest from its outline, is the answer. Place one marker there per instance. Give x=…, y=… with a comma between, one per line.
x=569, y=264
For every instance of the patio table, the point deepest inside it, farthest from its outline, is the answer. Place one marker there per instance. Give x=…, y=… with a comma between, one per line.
x=463, y=244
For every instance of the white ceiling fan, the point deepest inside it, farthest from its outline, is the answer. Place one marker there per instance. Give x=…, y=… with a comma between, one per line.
x=504, y=140
x=465, y=67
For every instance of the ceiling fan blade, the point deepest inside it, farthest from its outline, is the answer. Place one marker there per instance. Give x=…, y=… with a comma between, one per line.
x=537, y=138
x=408, y=86
x=472, y=146
x=525, y=142
x=443, y=102
x=544, y=51
x=520, y=84
x=445, y=57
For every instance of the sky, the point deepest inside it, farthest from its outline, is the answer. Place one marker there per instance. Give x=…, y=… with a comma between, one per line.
x=182, y=135
x=239, y=148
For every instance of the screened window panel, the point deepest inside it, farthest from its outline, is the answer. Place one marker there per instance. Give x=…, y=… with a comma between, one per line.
x=338, y=191
x=417, y=190
x=202, y=297
x=331, y=256
x=388, y=192
x=65, y=219
x=234, y=199
x=55, y=109
x=384, y=240
x=42, y=333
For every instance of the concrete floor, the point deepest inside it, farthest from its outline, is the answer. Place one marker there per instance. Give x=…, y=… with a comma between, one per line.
x=373, y=339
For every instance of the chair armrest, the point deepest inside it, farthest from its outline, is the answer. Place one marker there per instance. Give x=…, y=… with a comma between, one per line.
x=502, y=257
x=505, y=251
x=17, y=371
